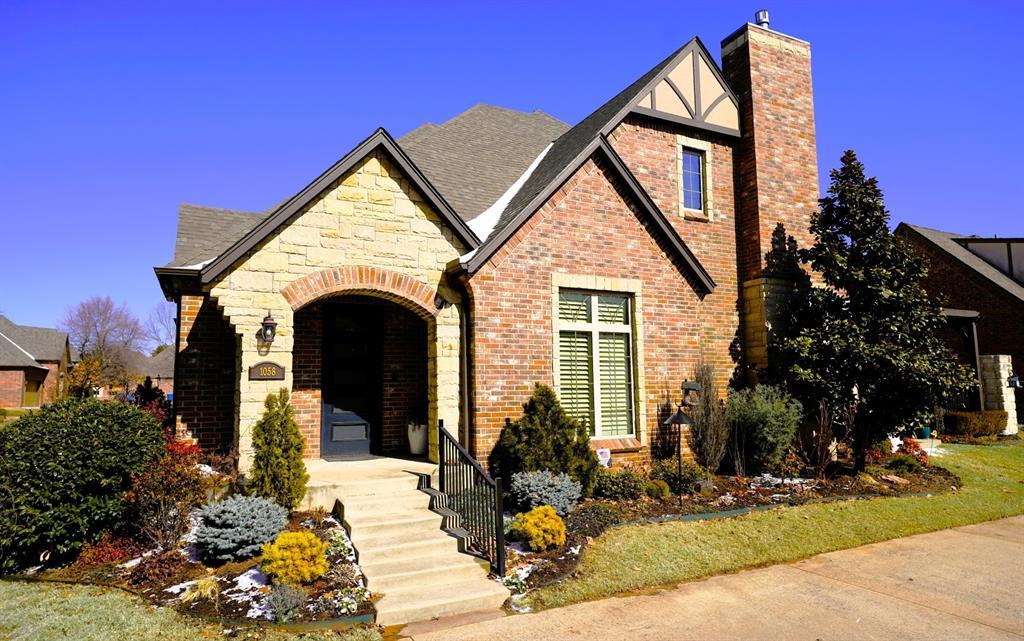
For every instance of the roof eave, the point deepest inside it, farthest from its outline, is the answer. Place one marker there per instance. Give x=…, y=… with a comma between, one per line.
x=705, y=283
x=380, y=138
x=175, y=281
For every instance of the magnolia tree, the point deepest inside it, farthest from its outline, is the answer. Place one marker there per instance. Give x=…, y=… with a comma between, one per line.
x=866, y=337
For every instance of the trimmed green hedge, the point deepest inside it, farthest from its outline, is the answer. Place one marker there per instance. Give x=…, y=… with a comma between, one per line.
x=985, y=423
x=64, y=470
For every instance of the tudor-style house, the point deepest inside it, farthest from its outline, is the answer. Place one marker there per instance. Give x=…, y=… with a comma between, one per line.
x=437, y=276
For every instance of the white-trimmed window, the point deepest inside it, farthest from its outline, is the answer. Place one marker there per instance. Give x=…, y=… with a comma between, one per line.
x=595, y=345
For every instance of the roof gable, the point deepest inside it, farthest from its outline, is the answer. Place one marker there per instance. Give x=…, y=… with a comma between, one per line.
x=691, y=90
x=947, y=242
x=41, y=343
x=599, y=146
x=280, y=216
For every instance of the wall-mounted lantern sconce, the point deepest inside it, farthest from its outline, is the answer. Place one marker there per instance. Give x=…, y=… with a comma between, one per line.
x=1015, y=382
x=268, y=328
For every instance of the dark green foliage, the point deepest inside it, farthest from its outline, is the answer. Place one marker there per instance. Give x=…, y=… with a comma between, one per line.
x=64, y=471
x=684, y=481
x=237, y=527
x=534, y=489
x=986, y=423
x=593, y=517
x=904, y=463
x=277, y=468
x=619, y=485
x=709, y=432
x=763, y=422
x=546, y=438
x=658, y=489
x=868, y=336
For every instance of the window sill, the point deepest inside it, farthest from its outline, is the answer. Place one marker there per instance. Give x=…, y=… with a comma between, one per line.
x=697, y=215
x=625, y=444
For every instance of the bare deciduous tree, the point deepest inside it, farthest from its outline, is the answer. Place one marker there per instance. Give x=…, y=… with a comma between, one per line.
x=709, y=431
x=161, y=327
x=105, y=332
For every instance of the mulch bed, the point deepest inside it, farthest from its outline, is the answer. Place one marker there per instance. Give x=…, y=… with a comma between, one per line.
x=242, y=588
x=592, y=517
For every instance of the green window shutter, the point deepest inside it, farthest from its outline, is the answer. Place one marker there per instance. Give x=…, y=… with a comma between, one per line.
x=573, y=307
x=616, y=384
x=576, y=376
x=613, y=309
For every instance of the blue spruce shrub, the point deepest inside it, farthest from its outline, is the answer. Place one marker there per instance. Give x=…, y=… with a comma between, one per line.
x=237, y=527
x=533, y=489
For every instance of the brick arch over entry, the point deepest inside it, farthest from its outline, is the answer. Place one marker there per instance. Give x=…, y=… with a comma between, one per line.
x=371, y=281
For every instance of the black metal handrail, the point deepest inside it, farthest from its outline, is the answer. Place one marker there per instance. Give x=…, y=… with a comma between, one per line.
x=472, y=494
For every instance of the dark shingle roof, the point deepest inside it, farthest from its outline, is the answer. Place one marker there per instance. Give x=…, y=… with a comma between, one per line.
x=205, y=232
x=43, y=343
x=11, y=355
x=946, y=241
x=477, y=155
x=162, y=364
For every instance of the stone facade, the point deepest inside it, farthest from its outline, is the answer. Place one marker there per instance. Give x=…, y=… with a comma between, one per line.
x=372, y=233
x=995, y=372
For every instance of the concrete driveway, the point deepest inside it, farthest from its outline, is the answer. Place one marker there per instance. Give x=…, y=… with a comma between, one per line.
x=965, y=583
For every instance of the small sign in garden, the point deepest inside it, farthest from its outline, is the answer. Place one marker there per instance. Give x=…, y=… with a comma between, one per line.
x=266, y=371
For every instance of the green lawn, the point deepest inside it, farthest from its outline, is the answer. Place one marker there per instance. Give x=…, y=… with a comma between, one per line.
x=635, y=557
x=50, y=611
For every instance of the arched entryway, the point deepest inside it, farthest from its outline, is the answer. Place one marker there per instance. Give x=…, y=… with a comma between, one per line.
x=360, y=376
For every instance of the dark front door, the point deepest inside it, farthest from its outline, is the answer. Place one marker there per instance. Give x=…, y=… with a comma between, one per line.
x=352, y=382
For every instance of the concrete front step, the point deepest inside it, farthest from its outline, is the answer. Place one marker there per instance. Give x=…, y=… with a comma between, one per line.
x=405, y=556
x=417, y=603
x=443, y=575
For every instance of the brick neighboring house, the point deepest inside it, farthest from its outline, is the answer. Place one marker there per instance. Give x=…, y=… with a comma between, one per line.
x=438, y=276
x=33, y=364
x=981, y=284
x=159, y=368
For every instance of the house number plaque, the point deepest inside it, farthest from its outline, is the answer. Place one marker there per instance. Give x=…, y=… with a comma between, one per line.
x=266, y=371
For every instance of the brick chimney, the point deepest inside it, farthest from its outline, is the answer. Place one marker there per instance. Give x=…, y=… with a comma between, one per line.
x=776, y=164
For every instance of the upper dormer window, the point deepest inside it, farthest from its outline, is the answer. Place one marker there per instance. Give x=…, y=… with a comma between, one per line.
x=693, y=179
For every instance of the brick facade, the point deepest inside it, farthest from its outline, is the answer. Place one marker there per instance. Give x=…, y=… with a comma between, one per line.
x=589, y=228
x=12, y=388
x=776, y=164
x=206, y=373
x=1000, y=325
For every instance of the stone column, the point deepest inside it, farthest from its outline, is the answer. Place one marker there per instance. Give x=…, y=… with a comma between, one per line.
x=443, y=354
x=997, y=394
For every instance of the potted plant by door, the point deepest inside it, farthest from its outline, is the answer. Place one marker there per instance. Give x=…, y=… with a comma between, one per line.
x=417, y=438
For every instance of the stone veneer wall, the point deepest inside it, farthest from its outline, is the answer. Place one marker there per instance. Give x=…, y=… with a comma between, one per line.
x=371, y=217
x=587, y=233
x=998, y=395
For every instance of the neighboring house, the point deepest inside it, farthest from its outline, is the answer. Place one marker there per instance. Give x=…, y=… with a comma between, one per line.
x=159, y=368
x=438, y=276
x=34, y=362
x=980, y=282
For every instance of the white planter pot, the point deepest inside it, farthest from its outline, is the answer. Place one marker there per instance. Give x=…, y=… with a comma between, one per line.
x=417, y=439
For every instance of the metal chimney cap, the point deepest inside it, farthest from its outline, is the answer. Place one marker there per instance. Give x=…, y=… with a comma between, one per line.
x=761, y=18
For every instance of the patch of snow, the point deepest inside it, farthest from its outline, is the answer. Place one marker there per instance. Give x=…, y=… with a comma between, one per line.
x=189, y=549
x=205, y=469
x=483, y=224
x=181, y=587
x=199, y=265
x=896, y=442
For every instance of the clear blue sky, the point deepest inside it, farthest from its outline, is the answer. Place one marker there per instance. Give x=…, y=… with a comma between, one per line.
x=113, y=114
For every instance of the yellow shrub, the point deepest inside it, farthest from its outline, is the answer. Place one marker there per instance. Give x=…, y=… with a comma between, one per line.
x=541, y=528
x=295, y=558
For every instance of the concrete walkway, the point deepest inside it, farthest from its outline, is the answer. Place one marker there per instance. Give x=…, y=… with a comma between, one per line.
x=965, y=583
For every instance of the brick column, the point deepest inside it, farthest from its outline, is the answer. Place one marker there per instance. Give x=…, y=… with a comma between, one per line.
x=997, y=394
x=776, y=165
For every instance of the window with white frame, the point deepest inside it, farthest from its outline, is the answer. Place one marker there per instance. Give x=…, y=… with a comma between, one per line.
x=692, y=179
x=595, y=345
